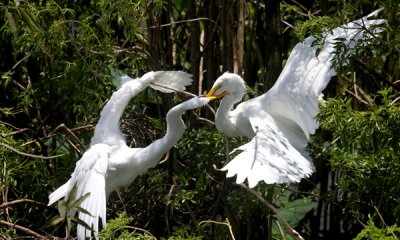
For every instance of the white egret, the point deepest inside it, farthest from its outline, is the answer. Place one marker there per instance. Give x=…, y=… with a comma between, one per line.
x=280, y=121
x=109, y=162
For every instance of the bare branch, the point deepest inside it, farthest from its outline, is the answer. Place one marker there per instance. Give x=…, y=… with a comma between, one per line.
x=227, y=223
x=183, y=21
x=23, y=229
x=7, y=204
x=358, y=98
x=289, y=228
x=28, y=154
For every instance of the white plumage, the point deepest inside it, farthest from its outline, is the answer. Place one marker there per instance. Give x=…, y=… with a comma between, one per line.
x=109, y=162
x=279, y=122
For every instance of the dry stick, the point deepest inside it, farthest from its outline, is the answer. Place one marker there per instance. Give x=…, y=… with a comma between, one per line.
x=62, y=125
x=23, y=229
x=383, y=221
x=227, y=223
x=28, y=154
x=53, y=133
x=289, y=228
x=358, y=98
x=164, y=159
x=183, y=21
x=280, y=230
x=184, y=92
x=300, y=5
x=7, y=204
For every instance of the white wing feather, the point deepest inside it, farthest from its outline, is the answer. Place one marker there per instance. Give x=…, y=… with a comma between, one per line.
x=171, y=81
x=269, y=157
x=283, y=118
x=89, y=177
x=305, y=74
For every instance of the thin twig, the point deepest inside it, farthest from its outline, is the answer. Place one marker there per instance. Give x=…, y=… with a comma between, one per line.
x=182, y=21
x=206, y=120
x=7, y=204
x=383, y=221
x=165, y=158
x=300, y=5
x=15, y=132
x=183, y=92
x=54, y=133
x=288, y=24
x=358, y=98
x=289, y=228
x=394, y=101
x=28, y=154
x=227, y=223
x=23, y=229
x=10, y=125
x=280, y=230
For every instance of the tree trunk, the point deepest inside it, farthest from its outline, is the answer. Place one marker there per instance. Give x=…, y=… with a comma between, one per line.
x=239, y=40
x=211, y=44
x=194, y=46
x=273, y=42
x=228, y=34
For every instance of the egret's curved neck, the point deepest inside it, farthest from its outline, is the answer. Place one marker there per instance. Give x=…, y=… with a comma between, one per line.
x=153, y=153
x=108, y=123
x=223, y=119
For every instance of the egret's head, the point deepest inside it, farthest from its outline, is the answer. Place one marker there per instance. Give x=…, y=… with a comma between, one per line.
x=228, y=84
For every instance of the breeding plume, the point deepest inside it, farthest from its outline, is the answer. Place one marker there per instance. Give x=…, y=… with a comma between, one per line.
x=280, y=121
x=109, y=162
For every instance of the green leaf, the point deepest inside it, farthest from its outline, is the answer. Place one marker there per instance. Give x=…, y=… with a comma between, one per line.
x=54, y=221
x=29, y=19
x=80, y=200
x=79, y=221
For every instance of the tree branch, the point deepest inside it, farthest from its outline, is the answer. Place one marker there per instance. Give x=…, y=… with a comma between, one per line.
x=289, y=228
x=28, y=154
x=23, y=229
x=7, y=204
x=183, y=21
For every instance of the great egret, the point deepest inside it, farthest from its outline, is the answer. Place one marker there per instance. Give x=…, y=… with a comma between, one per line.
x=109, y=162
x=280, y=121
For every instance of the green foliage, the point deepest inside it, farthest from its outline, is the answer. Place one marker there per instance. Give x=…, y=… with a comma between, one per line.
x=183, y=233
x=118, y=228
x=14, y=184
x=70, y=205
x=373, y=232
x=294, y=210
x=367, y=154
x=57, y=59
x=315, y=26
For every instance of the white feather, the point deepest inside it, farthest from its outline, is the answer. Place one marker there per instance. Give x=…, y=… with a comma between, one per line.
x=280, y=121
x=109, y=162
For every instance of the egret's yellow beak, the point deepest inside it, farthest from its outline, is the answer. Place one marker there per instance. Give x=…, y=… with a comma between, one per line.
x=211, y=95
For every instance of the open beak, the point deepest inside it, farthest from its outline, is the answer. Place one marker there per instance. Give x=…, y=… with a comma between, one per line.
x=211, y=95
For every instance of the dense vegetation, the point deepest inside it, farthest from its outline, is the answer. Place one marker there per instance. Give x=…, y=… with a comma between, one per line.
x=57, y=58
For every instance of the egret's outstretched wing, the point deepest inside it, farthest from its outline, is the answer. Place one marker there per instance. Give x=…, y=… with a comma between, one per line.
x=88, y=177
x=268, y=156
x=170, y=81
x=306, y=73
